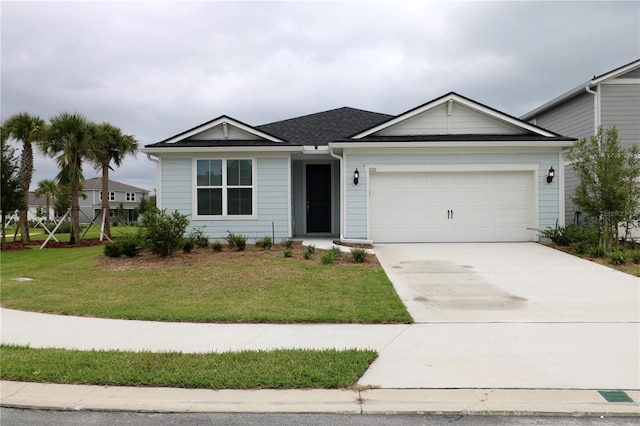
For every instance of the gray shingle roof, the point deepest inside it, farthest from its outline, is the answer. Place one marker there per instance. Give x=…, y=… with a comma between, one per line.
x=323, y=127
x=96, y=184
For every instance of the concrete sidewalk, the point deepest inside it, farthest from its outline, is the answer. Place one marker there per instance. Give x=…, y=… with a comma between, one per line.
x=366, y=401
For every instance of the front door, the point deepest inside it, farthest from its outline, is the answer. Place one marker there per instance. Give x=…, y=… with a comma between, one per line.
x=318, y=198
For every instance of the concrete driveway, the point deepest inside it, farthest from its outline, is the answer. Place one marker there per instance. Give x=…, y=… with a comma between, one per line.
x=509, y=316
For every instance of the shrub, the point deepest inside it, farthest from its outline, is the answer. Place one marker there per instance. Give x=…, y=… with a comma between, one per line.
x=112, y=249
x=617, y=257
x=330, y=256
x=567, y=235
x=64, y=228
x=164, y=232
x=309, y=251
x=236, y=241
x=130, y=245
x=216, y=246
x=580, y=247
x=358, y=255
x=266, y=243
x=199, y=239
x=288, y=251
x=596, y=251
x=634, y=256
x=288, y=243
x=188, y=244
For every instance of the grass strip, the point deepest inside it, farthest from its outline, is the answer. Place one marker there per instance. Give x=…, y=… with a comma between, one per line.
x=278, y=369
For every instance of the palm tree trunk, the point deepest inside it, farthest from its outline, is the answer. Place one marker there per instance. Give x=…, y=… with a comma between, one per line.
x=26, y=171
x=105, y=200
x=48, y=204
x=74, y=238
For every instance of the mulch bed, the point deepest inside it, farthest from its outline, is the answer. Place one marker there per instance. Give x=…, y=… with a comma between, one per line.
x=19, y=245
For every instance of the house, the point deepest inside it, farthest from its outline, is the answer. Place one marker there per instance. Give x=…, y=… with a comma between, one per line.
x=611, y=99
x=120, y=195
x=38, y=207
x=451, y=170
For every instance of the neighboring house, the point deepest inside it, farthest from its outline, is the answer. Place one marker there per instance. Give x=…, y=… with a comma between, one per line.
x=119, y=194
x=39, y=205
x=611, y=99
x=451, y=169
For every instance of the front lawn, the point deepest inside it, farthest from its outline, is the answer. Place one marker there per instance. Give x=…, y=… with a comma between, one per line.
x=279, y=369
x=203, y=286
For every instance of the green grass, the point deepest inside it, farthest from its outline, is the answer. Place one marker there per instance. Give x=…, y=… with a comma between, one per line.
x=264, y=287
x=280, y=369
x=39, y=234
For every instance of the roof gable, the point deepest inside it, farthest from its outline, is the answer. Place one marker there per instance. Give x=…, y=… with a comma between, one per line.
x=453, y=114
x=221, y=129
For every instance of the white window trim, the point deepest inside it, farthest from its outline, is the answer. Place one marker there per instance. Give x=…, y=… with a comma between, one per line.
x=130, y=196
x=225, y=215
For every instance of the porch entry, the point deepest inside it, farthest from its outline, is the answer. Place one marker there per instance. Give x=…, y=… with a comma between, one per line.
x=318, y=204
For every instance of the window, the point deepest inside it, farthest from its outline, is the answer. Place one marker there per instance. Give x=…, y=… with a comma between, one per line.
x=131, y=196
x=112, y=196
x=224, y=187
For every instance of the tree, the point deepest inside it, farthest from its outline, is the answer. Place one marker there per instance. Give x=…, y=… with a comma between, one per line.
x=68, y=141
x=48, y=189
x=109, y=145
x=147, y=204
x=608, y=174
x=62, y=201
x=27, y=129
x=11, y=196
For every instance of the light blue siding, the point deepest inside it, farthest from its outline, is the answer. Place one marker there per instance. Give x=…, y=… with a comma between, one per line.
x=356, y=208
x=272, y=219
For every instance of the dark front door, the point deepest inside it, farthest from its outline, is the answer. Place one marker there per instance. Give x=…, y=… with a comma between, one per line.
x=318, y=198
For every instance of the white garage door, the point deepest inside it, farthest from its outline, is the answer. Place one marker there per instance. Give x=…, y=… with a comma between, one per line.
x=451, y=206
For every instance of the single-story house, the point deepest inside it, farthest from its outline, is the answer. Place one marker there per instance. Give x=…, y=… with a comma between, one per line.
x=450, y=170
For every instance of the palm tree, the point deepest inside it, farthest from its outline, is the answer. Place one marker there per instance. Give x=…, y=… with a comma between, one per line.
x=68, y=141
x=48, y=188
x=27, y=129
x=109, y=145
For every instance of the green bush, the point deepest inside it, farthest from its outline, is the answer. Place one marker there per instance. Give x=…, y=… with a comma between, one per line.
x=634, y=256
x=164, y=232
x=130, y=245
x=64, y=228
x=580, y=247
x=596, y=251
x=266, y=243
x=330, y=256
x=239, y=242
x=216, y=246
x=309, y=251
x=199, y=239
x=568, y=235
x=617, y=257
x=288, y=243
x=112, y=249
x=288, y=251
x=188, y=244
x=358, y=255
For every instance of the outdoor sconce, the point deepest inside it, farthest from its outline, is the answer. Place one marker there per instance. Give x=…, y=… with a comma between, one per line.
x=356, y=176
x=551, y=175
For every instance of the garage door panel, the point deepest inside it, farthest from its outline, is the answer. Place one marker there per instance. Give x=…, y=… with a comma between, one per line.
x=451, y=206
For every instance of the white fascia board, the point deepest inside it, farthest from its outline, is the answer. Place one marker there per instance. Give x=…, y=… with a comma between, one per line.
x=214, y=123
x=463, y=101
x=617, y=72
x=622, y=81
x=196, y=150
x=450, y=144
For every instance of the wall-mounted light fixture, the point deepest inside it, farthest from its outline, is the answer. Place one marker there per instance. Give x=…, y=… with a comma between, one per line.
x=356, y=176
x=551, y=175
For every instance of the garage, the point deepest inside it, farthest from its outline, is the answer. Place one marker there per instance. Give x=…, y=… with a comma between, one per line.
x=451, y=206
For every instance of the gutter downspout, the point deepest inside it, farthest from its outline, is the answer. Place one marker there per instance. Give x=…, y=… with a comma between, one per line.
x=596, y=112
x=342, y=191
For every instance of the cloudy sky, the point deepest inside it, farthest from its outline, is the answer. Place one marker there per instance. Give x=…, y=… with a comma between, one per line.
x=155, y=69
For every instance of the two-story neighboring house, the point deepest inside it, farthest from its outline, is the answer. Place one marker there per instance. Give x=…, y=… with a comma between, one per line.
x=119, y=194
x=607, y=100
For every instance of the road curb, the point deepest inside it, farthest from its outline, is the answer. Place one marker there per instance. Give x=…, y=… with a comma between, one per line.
x=549, y=402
